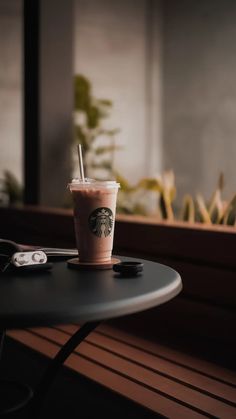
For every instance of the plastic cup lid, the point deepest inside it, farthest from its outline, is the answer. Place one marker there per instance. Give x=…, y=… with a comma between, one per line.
x=94, y=183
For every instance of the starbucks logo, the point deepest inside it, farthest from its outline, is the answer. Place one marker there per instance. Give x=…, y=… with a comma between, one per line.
x=101, y=222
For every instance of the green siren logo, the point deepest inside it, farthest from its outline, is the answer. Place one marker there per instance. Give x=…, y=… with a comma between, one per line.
x=101, y=222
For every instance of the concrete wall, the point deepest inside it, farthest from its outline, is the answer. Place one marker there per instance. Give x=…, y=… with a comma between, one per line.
x=11, y=87
x=128, y=52
x=199, y=70
x=111, y=50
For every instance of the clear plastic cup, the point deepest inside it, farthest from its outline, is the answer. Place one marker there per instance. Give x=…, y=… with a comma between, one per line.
x=94, y=218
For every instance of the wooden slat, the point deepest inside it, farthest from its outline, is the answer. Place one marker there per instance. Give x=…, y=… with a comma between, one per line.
x=134, y=366
x=120, y=384
x=156, y=363
x=177, y=357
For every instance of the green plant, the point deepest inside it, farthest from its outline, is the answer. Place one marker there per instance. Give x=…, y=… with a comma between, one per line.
x=11, y=191
x=133, y=199
x=98, y=142
x=215, y=211
x=193, y=209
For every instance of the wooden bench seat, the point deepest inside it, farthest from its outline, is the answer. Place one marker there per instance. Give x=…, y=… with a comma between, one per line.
x=166, y=381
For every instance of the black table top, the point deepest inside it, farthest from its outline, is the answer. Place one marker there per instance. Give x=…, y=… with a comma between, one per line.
x=63, y=295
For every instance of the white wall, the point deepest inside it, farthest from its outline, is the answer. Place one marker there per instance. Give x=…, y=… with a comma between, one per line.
x=11, y=87
x=200, y=93
x=111, y=50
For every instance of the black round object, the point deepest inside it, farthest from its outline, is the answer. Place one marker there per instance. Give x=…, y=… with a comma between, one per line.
x=129, y=268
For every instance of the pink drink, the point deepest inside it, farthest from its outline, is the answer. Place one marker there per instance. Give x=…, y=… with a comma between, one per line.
x=94, y=218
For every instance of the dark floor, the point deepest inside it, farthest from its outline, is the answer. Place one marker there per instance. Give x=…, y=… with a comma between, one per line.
x=71, y=395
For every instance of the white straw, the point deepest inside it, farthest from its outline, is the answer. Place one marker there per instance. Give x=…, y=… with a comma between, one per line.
x=81, y=166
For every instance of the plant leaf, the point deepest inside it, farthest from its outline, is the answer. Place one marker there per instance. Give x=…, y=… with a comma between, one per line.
x=123, y=209
x=124, y=184
x=202, y=209
x=106, y=149
x=165, y=207
x=150, y=184
x=188, y=209
x=168, y=184
x=229, y=215
x=82, y=95
x=106, y=164
x=81, y=138
x=93, y=116
x=139, y=209
x=12, y=187
x=216, y=207
x=105, y=102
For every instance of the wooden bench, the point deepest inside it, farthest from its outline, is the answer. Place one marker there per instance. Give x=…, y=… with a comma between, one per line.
x=166, y=381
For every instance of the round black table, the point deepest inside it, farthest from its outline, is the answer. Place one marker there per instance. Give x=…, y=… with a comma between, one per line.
x=65, y=295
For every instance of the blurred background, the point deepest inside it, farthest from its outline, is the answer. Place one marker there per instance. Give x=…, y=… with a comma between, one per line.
x=161, y=76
